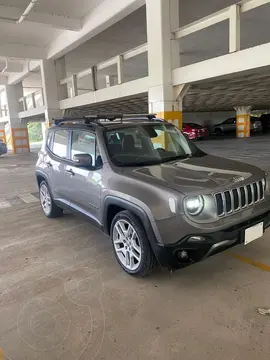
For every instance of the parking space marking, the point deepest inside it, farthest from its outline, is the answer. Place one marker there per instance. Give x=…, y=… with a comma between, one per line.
x=4, y=204
x=21, y=199
x=249, y=261
x=28, y=198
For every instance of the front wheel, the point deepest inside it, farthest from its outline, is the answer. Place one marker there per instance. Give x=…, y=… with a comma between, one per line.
x=131, y=245
x=50, y=209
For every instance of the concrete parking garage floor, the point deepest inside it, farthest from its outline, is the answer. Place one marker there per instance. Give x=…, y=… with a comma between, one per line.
x=63, y=295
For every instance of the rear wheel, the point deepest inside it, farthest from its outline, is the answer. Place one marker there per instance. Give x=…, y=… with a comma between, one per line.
x=131, y=246
x=50, y=209
x=218, y=132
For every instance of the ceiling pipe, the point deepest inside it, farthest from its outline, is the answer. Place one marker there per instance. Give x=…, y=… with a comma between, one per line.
x=22, y=17
x=6, y=66
x=27, y=11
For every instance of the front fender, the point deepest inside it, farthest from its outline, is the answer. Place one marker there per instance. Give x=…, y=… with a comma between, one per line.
x=143, y=214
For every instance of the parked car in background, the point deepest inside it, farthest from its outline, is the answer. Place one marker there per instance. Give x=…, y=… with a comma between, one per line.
x=265, y=122
x=195, y=131
x=3, y=148
x=229, y=126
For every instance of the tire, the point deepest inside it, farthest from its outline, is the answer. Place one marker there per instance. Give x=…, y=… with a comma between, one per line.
x=145, y=261
x=51, y=210
x=218, y=132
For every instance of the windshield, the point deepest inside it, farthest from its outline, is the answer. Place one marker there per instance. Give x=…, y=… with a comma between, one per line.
x=148, y=145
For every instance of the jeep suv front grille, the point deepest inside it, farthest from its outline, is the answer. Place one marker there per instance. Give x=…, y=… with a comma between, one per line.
x=239, y=198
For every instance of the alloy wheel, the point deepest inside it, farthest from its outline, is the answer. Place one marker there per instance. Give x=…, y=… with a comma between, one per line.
x=45, y=199
x=127, y=245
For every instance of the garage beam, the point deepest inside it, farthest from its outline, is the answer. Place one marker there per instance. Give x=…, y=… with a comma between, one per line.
x=3, y=80
x=201, y=24
x=31, y=66
x=10, y=67
x=12, y=14
x=104, y=15
x=247, y=5
x=22, y=51
x=240, y=61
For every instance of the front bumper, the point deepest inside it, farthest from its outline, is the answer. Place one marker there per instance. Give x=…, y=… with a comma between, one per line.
x=170, y=255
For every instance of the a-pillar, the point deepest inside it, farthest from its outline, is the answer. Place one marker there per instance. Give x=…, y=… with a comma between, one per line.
x=16, y=132
x=50, y=91
x=243, y=121
x=163, y=57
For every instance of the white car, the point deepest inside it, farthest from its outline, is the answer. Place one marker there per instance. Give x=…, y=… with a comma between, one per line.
x=3, y=148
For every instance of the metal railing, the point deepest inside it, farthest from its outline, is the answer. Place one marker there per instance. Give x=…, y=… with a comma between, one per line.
x=32, y=101
x=3, y=111
x=118, y=60
x=231, y=13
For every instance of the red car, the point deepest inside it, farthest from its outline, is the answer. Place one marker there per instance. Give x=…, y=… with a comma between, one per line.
x=195, y=131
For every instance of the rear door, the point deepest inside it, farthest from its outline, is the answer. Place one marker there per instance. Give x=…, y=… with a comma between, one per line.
x=229, y=125
x=84, y=185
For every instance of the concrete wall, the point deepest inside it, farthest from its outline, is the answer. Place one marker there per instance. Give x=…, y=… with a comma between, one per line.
x=208, y=118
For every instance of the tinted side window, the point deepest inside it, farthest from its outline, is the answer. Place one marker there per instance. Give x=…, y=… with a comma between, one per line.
x=84, y=142
x=49, y=139
x=60, y=143
x=230, y=121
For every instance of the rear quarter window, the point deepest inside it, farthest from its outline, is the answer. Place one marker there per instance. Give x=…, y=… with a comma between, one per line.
x=49, y=139
x=59, y=143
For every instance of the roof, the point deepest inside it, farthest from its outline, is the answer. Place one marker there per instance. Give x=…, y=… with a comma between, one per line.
x=95, y=123
x=106, y=121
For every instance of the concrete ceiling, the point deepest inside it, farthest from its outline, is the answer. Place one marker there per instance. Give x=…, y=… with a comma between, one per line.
x=123, y=36
x=214, y=40
x=130, y=105
x=31, y=38
x=250, y=89
x=59, y=7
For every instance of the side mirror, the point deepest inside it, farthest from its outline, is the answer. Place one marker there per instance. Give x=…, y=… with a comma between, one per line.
x=83, y=160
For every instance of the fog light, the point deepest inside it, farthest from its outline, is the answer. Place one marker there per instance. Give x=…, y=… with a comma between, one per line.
x=183, y=254
x=196, y=239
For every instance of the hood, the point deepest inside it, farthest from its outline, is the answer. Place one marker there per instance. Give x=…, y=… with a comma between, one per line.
x=198, y=175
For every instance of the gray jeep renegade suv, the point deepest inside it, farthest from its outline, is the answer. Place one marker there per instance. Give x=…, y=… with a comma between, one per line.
x=161, y=199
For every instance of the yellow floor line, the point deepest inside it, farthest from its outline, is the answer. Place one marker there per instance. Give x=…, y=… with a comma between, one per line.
x=250, y=262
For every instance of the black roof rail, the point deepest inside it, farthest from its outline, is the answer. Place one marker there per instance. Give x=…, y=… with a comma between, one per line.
x=95, y=119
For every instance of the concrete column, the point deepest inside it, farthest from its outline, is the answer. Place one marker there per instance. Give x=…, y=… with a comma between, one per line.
x=43, y=129
x=243, y=121
x=163, y=56
x=61, y=73
x=50, y=91
x=16, y=132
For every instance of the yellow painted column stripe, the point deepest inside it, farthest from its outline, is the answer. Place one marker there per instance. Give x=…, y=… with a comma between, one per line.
x=172, y=115
x=243, y=125
x=2, y=356
x=14, y=137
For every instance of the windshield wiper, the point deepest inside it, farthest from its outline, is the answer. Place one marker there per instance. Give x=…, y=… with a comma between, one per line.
x=141, y=163
x=174, y=158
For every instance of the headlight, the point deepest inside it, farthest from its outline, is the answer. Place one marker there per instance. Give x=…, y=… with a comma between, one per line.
x=194, y=205
x=265, y=180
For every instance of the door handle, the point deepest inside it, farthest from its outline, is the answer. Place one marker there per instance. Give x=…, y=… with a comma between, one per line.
x=70, y=172
x=48, y=164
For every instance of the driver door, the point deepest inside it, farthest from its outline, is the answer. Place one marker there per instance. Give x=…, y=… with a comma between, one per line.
x=84, y=191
